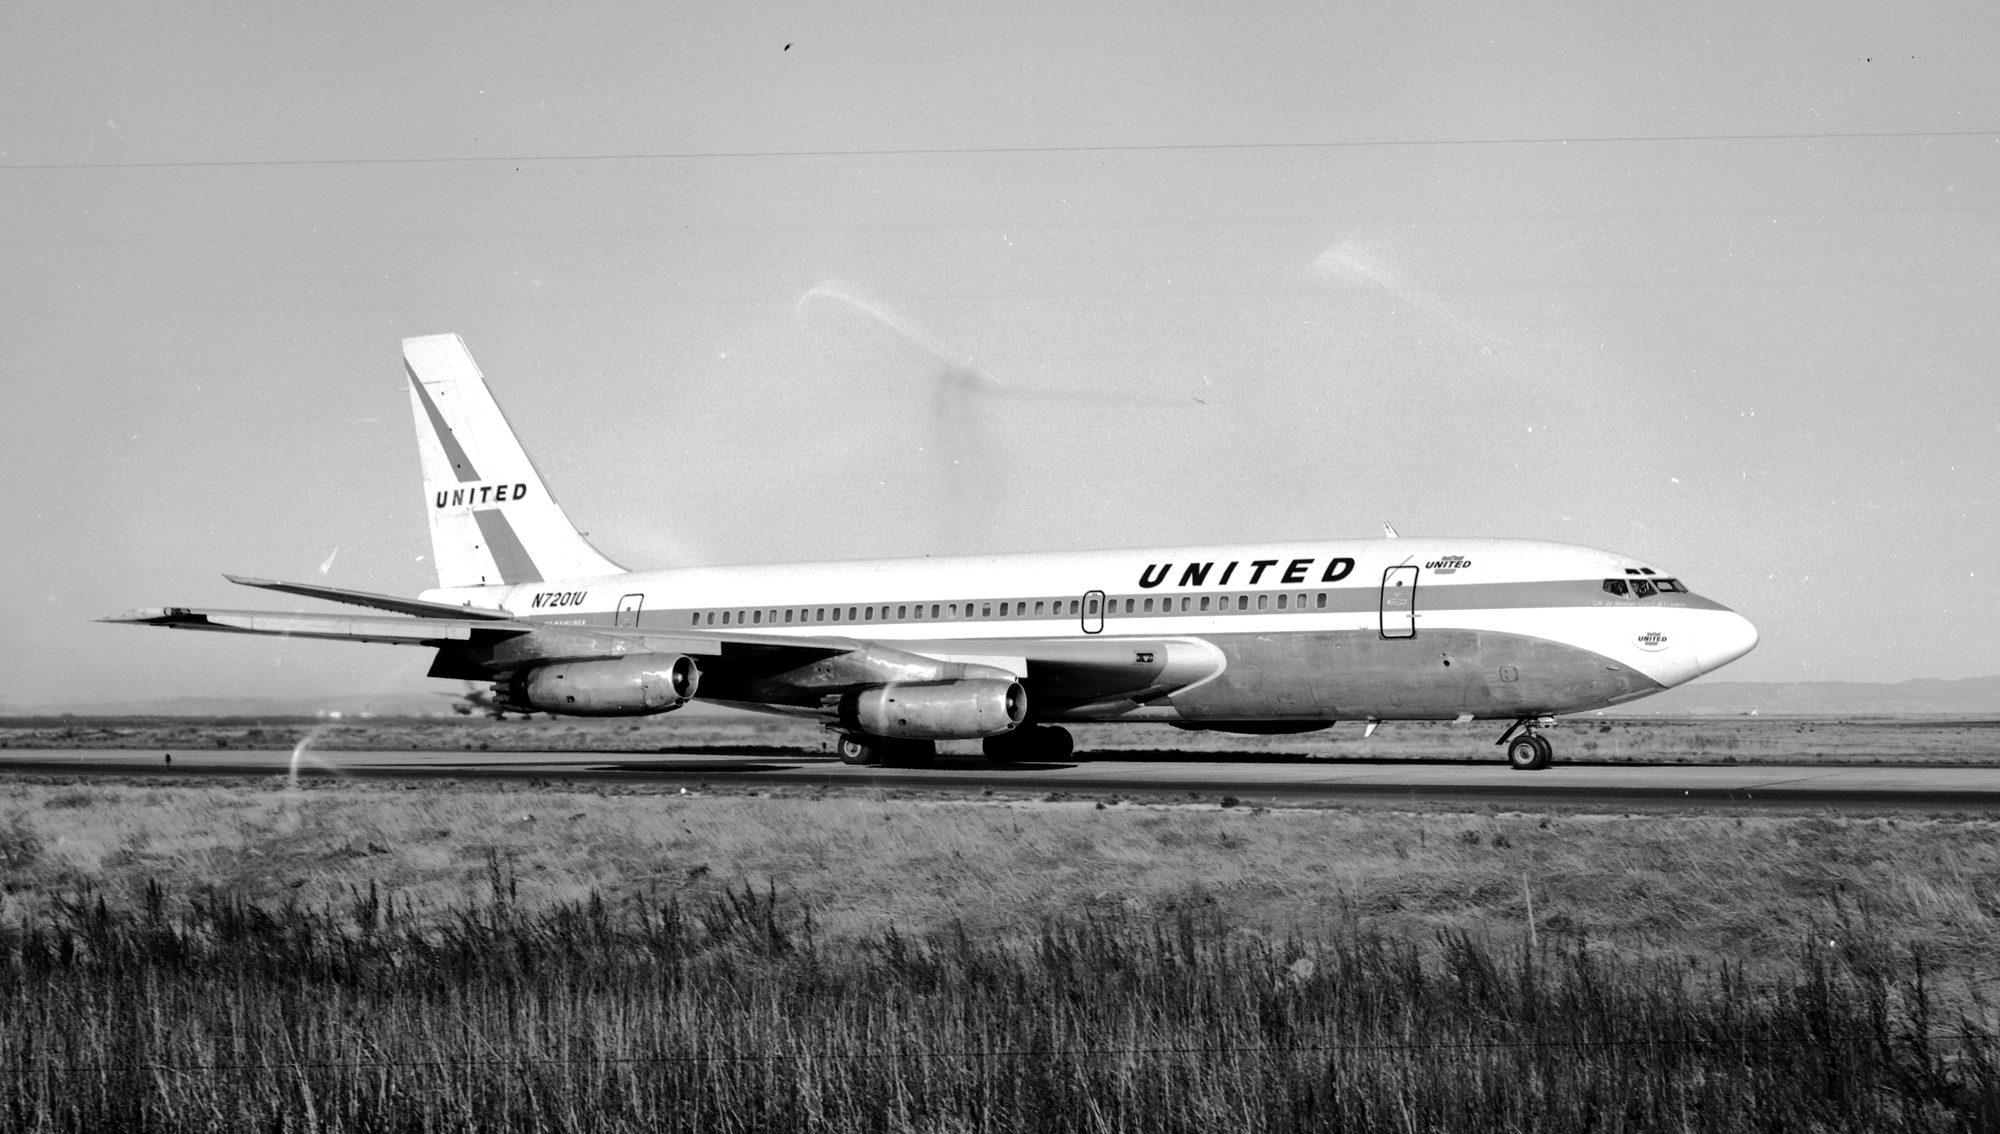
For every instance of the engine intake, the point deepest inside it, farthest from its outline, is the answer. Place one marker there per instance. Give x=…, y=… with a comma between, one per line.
x=938, y=710
x=610, y=687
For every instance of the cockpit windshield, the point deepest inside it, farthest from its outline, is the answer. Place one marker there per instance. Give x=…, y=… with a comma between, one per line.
x=1642, y=587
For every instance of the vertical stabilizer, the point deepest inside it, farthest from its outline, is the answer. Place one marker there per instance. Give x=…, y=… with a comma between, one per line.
x=492, y=520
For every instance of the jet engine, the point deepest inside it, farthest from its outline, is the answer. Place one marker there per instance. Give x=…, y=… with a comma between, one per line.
x=937, y=710
x=608, y=687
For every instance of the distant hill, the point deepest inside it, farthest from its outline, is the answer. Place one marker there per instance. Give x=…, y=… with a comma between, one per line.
x=436, y=704
x=1925, y=696
x=394, y=705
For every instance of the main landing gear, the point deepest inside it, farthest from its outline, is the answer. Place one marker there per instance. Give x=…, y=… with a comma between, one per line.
x=1529, y=751
x=860, y=748
x=1036, y=742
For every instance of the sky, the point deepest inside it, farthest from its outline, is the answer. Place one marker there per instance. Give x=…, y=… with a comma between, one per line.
x=1717, y=286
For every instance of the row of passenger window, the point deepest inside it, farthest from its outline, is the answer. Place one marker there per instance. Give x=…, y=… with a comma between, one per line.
x=1046, y=608
x=1643, y=588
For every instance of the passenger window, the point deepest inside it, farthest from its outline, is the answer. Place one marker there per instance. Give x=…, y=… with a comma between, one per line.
x=1643, y=588
x=934, y=610
x=758, y=617
x=725, y=618
x=850, y=614
x=1093, y=606
x=1128, y=606
x=1204, y=602
x=788, y=618
x=1616, y=587
x=1038, y=608
x=1281, y=601
x=986, y=610
x=697, y=619
x=821, y=616
x=711, y=618
x=836, y=614
x=1302, y=602
x=1243, y=602
x=1149, y=606
x=1321, y=603
x=1184, y=606
x=1003, y=610
x=867, y=614
x=1263, y=602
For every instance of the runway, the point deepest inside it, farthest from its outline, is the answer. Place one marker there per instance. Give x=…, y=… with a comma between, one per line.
x=1285, y=780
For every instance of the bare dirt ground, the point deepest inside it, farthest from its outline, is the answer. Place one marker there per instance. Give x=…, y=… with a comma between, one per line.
x=1681, y=740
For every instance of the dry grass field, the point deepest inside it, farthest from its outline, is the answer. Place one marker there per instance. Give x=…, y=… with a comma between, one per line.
x=1684, y=740
x=1691, y=888
x=372, y=954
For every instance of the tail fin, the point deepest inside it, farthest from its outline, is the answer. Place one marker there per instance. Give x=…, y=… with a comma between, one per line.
x=492, y=520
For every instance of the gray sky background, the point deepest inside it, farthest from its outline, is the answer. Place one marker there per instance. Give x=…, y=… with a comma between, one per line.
x=1766, y=364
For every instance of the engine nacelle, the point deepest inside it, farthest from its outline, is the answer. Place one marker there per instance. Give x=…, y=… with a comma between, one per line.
x=607, y=687
x=938, y=710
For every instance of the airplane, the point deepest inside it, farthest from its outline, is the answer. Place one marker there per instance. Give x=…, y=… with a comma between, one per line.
x=894, y=655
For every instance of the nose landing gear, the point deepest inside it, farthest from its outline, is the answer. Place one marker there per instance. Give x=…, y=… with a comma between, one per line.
x=1529, y=751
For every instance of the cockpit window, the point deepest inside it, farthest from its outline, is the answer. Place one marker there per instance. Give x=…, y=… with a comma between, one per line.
x=1668, y=586
x=1615, y=587
x=1643, y=588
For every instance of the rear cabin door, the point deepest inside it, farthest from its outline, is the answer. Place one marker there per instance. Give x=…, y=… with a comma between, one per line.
x=1399, y=602
x=628, y=609
x=1093, y=612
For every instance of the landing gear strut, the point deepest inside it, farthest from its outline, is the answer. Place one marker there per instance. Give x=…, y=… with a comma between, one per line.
x=1530, y=751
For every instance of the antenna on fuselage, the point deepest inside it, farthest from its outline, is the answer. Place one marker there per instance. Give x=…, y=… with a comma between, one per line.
x=1388, y=532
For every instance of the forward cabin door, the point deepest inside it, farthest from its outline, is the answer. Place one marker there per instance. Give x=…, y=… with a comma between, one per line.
x=1093, y=612
x=628, y=610
x=1399, y=602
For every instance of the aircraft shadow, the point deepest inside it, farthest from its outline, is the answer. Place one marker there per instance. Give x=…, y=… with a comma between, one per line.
x=1177, y=756
x=705, y=768
x=788, y=751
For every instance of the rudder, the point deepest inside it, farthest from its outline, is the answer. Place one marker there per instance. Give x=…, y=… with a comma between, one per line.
x=492, y=519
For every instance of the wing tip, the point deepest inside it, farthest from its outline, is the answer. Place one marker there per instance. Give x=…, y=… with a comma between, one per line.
x=145, y=615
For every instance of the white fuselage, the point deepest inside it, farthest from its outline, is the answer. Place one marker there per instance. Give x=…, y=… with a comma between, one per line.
x=1256, y=603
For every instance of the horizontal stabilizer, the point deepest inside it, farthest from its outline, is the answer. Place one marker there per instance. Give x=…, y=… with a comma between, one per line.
x=336, y=627
x=418, y=607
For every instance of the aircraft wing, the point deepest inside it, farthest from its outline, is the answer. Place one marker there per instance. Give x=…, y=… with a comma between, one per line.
x=755, y=668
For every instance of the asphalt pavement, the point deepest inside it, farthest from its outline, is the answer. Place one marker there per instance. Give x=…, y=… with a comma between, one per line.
x=1250, y=781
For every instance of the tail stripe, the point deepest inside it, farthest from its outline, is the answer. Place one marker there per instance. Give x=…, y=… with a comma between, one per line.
x=494, y=525
x=453, y=451
x=509, y=555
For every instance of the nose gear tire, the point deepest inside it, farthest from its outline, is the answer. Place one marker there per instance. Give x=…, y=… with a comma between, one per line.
x=1529, y=753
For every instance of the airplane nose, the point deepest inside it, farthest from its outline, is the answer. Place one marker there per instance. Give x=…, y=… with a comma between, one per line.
x=1724, y=640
